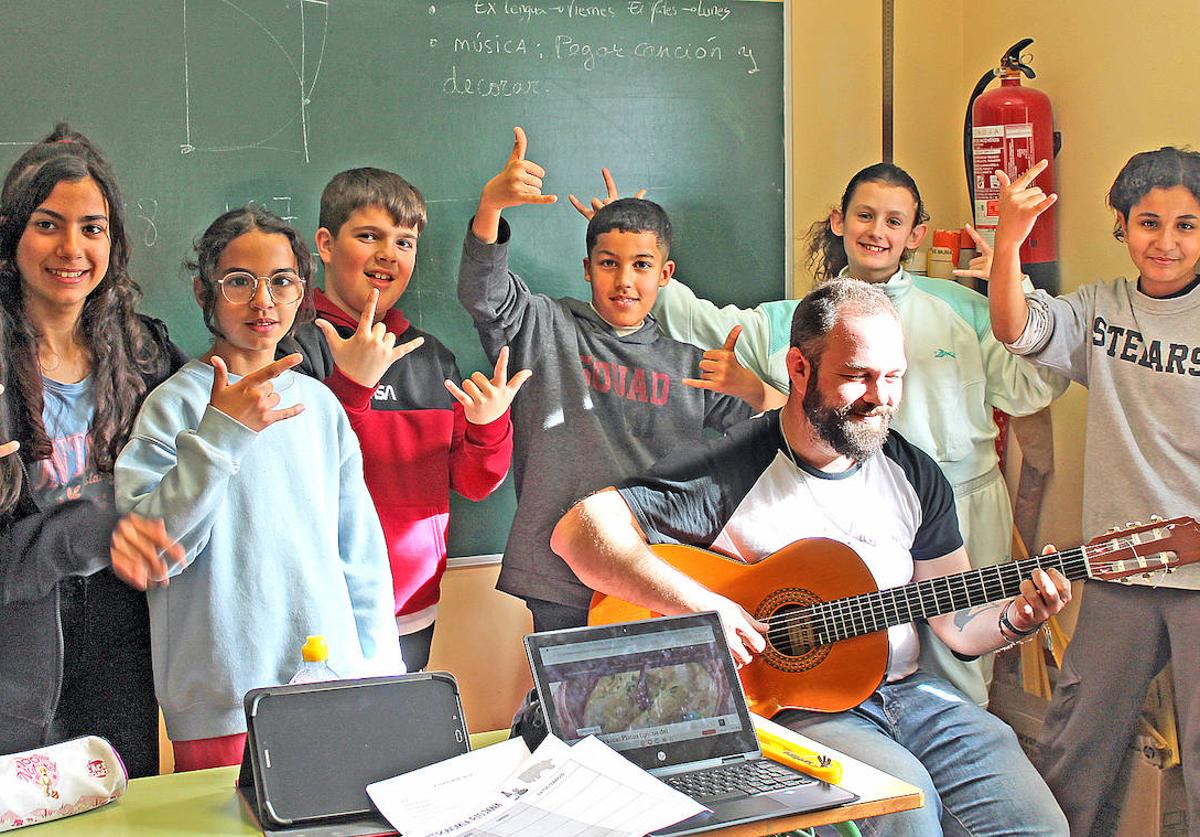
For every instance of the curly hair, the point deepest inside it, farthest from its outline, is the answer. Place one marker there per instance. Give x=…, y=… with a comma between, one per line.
x=1162, y=169
x=11, y=473
x=631, y=215
x=227, y=227
x=826, y=249
x=121, y=350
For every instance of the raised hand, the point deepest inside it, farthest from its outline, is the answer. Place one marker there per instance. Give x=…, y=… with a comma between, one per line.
x=251, y=401
x=981, y=265
x=368, y=353
x=720, y=371
x=485, y=400
x=142, y=552
x=1021, y=202
x=518, y=183
x=8, y=448
x=600, y=203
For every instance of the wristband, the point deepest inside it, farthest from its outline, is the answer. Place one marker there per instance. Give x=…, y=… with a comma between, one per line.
x=1004, y=624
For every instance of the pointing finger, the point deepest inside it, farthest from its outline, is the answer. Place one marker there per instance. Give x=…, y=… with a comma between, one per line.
x=331, y=335
x=583, y=210
x=456, y=393
x=273, y=370
x=731, y=340
x=220, y=374
x=367, y=318
x=501, y=374
x=608, y=182
x=980, y=242
x=279, y=415
x=518, y=380
x=407, y=348
x=520, y=143
x=1031, y=173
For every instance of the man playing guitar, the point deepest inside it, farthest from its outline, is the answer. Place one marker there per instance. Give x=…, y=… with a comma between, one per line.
x=827, y=465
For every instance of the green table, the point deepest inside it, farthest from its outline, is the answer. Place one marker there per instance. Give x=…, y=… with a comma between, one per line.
x=205, y=802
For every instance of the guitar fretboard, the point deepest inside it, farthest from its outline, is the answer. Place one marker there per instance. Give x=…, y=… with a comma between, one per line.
x=828, y=622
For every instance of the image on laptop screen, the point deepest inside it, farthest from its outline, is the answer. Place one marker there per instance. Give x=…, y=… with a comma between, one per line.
x=645, y=689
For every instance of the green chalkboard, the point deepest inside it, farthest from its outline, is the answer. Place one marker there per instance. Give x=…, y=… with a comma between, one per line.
x=208, y=104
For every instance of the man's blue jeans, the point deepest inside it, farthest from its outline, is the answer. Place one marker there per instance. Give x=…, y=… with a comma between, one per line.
x=976, y=778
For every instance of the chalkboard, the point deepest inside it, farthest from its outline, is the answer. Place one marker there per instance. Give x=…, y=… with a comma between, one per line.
x=209, y=104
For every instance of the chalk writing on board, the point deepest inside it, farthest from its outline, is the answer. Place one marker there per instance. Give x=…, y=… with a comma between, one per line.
x=147, y=213
x=654, y=9
x=298, y=63
x=281, y=205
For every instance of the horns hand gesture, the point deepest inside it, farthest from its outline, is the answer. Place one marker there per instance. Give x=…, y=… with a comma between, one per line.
x=367, y=354
x=485, y=400
x=252, y=400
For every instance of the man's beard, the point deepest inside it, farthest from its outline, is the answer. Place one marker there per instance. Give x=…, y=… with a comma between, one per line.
x=835, y=426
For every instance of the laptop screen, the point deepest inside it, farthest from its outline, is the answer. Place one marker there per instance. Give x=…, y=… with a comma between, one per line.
x=663, y=692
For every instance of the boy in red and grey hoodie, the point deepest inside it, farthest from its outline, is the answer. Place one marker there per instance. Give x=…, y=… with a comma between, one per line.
x=423, y=429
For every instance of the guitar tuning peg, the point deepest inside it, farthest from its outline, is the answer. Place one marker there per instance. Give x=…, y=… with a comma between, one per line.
x=1154, y=518
x=1130, y=525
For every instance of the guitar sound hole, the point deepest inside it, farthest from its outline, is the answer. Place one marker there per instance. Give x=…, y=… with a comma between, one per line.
x=789, y=633
x=793, y=640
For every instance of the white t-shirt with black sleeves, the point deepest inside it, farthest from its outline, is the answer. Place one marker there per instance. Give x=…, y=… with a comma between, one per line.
x=745, y=497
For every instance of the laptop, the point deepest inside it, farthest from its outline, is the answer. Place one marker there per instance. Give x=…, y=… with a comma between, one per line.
x=665, y=694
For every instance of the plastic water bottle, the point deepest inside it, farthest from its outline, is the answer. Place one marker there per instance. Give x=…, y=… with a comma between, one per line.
x=315, y=667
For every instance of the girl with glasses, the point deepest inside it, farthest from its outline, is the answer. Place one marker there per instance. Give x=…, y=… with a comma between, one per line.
x=255, y=471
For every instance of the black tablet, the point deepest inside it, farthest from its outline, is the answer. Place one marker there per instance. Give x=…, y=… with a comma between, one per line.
x=314, y=748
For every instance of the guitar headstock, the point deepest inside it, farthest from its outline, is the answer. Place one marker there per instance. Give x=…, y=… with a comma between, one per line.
x=1143, y=548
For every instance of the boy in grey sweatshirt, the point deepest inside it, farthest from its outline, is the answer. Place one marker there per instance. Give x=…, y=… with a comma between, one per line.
x=606, y=398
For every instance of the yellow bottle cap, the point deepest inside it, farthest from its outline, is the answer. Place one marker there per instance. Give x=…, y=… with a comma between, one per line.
x=315, y=650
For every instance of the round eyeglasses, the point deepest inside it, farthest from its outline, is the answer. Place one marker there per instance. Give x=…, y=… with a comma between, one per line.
x=239, y=287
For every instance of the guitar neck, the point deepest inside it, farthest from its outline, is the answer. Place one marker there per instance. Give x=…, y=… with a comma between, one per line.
x=863, y=614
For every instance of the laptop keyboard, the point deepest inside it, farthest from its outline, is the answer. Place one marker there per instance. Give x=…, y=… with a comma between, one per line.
x=752, y=777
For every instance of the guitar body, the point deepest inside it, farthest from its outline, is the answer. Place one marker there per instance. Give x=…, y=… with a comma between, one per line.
x=827, y=647
x=825, y=678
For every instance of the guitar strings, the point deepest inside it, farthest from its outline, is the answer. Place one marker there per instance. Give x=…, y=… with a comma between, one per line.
x=842, y=610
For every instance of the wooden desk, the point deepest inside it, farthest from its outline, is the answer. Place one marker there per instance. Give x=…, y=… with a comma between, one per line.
x=204, y=802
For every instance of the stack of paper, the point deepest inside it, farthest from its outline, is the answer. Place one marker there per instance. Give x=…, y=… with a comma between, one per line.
x=587, y=790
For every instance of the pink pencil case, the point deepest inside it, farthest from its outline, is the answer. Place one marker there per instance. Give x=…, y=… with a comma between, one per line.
x=60, y=780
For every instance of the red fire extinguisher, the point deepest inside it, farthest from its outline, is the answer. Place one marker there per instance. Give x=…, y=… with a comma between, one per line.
x=1011, y=128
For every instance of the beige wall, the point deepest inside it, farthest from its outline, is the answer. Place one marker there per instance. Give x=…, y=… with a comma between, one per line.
x=1119, y=76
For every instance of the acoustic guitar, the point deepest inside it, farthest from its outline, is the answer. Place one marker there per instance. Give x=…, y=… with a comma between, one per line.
x=827, y=647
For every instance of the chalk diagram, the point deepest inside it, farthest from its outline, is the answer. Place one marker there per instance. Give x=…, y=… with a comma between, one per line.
x=249, y=73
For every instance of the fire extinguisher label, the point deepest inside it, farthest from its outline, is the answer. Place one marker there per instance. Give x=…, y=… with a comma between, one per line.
x=1007, y=147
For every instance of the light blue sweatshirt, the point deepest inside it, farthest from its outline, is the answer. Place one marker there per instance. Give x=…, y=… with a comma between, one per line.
x=281, y=541
x=957, y=371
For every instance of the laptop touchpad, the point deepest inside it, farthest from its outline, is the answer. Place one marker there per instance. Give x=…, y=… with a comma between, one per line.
x=755, y=806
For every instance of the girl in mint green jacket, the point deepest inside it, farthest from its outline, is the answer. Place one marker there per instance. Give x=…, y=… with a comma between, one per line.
x=957, y=371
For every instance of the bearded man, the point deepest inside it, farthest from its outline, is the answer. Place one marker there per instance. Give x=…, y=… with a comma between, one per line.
x=828, y=465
